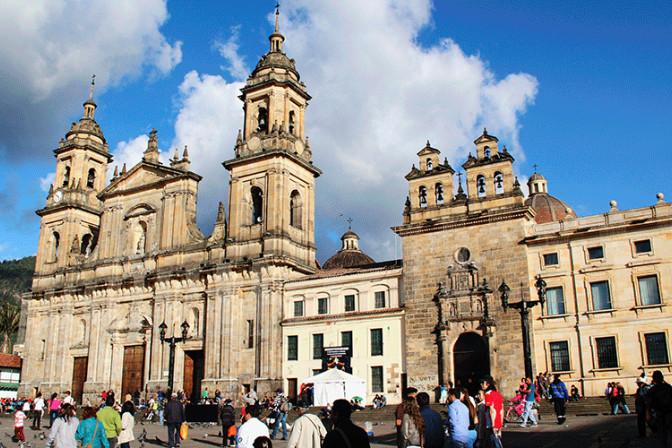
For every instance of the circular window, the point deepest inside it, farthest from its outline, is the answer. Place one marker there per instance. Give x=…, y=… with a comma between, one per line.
x=462, y=255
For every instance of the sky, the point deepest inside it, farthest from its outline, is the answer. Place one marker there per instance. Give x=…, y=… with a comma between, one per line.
x=579, y=90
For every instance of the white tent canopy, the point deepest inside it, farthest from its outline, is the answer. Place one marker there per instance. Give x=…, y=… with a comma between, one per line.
x=335, y=384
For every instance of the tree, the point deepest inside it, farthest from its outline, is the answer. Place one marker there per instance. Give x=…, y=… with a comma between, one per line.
x=10, y=314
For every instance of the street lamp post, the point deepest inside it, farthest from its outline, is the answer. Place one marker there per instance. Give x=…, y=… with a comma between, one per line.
x=524, y=306
x=172, y=341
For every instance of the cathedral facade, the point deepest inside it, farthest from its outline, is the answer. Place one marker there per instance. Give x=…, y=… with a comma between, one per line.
x=115, y=262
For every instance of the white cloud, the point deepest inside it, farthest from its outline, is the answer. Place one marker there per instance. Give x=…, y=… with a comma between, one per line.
x=47, y=181
x=236, y=67
x=51, y=44
x=129, y=153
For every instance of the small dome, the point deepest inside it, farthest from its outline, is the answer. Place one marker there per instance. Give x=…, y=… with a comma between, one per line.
x=536, y=176
x=86, y=126
x=350, y=255
x=548, y=208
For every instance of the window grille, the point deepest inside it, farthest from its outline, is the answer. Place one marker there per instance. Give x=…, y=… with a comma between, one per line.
x=606, y=352
x=656, y=349
x=292, y=348
x=559, y=356
x=376, y=342
x=377, y=379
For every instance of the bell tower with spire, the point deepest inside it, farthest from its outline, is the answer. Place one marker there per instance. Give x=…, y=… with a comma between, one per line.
x=71, y=217
x=272, y=183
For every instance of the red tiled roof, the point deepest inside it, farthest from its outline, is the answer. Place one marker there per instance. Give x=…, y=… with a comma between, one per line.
x=7, y=360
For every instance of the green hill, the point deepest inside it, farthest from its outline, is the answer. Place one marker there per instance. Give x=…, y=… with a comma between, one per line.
x=15, y=278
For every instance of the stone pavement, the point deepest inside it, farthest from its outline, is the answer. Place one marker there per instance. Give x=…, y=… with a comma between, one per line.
x=579, y=432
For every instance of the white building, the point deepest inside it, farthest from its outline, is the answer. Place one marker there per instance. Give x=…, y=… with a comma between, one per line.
x=352, y=302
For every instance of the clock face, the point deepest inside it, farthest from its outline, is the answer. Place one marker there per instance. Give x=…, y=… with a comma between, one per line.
x=58, y=196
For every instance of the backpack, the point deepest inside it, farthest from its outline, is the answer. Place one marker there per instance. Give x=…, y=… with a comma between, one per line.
x=228, y=415
x=285, y=406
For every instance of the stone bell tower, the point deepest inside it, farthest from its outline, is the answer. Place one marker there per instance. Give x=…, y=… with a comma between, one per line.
x=272, y=184
x=71, y=217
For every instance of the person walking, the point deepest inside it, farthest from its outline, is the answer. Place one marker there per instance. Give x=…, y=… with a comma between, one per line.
x=54, y=406
x=458, y=420
x=434, y=434
x=473, y=415
x=399, y=414
x=19, y=417
x=127, y=424
x=494, y=403
x=307, y=431
x=529, y=402
x=412, y=424
x=659, y=408
x=228, y=417
x=174, y=416
x=62, y=434
x=252, y=428
x=281, y=408
x=91, y=431
x=640, y=405
x=620, y=400
x=38, y=411
x=559, y=395
x=345, y=433
x=111, y=421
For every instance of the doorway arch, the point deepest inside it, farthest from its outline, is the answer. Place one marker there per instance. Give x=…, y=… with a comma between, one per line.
x=471, y=361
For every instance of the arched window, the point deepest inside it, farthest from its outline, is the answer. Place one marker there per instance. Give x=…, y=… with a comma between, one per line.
x=66, y=176
x=90, y=179
x=141, y=233
x=295, y=212
x=262, y=120
x=499, y=183
x=438, y=191
x=486, y=152
x=480, y=186
x=57, y=243
x=86, y=245
x=422, y=196
x=429, y=164
x=291, y=122
x=257, y=205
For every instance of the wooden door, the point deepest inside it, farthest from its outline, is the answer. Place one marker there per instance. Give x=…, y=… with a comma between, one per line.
x=79, y=371
x=188, y=385
x=194, y=369
x=134, y=368
x=291, y=388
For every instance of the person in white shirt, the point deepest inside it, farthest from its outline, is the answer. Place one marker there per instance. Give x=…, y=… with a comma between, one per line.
x=68, y=399
x=307, y=431
x=38, y=410
x=251, y=429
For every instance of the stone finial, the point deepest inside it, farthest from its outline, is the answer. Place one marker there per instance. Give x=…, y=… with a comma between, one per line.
x=185, y=154
x=116, y=172
x=239, y=140
x=307, y=143
x=152, y=152
x=176, y=157
x=220, y=212
x=51, y=189
x=123, y=169
x=660, y=197
x=613, y=205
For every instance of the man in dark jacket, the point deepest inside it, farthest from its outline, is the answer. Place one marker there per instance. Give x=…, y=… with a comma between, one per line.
x=345, y=433
x=174, y=416
x=659, y=407
x=560, y=396
x=434, y=434
x=228, y=417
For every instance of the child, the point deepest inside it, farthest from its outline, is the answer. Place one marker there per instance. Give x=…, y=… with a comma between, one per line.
x=19, y=416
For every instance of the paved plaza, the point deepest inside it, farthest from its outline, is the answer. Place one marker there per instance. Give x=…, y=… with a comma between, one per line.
x=602, y=431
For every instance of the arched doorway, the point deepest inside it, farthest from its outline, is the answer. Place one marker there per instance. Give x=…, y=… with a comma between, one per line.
x=471, y=361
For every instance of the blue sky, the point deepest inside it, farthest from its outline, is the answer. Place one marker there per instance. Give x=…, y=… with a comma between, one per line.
x=579, y=89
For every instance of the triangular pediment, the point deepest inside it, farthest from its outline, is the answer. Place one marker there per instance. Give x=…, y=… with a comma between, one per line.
x=143, y=175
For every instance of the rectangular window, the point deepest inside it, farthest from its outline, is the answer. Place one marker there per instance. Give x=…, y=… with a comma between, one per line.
x=601, y=296
x=322, y=305
x=643, y=246
x=555, y=301
x=346, y=340
x=292, y=348
x=380, y=299
x=656, y=349
x=648, y=290
x=377, y=379
x=318, y=345
x=595, y=253
x=559, y=356
x=606, y=353
x=376, y=342
x=298, y=308
x=349, y=302
x=250, y=334
x=551, y=259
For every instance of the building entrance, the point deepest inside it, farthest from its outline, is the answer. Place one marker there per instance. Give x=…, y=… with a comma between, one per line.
x=471, y=361
x=134, y=368
x=79, y=377
x=194, y=369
